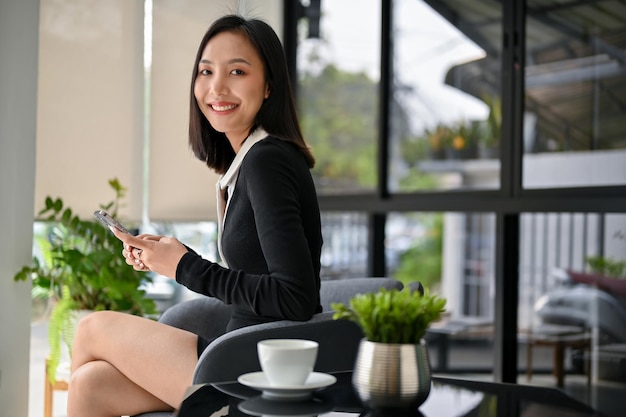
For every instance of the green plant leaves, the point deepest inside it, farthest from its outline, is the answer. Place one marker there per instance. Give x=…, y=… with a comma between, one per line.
x=607, y=266
x=81, y=266
x=392, y=316
x=58, y=331
x=85, y=257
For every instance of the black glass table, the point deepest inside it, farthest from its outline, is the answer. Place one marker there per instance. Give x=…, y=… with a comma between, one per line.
x=448, y=397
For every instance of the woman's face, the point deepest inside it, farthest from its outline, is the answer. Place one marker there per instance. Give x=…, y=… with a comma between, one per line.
x=230, y=86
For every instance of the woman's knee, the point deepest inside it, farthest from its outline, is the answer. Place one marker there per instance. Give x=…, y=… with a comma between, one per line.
x=83, y=386
x=93, y=324
x=89, y=331
x=87, y=376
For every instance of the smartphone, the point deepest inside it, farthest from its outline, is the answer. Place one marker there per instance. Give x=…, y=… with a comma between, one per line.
x=108, y=220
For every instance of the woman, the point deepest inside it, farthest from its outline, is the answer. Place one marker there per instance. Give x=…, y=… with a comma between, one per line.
x=243, y=124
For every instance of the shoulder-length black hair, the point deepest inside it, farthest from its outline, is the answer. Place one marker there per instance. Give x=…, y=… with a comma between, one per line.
x=277, y=114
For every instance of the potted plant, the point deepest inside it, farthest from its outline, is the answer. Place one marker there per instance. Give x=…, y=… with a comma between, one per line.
x=438, y=140
x=607, y=274
x=607, y=266
x=463, y=144
x=489, y=143
x=81, y=268
x=394, y=323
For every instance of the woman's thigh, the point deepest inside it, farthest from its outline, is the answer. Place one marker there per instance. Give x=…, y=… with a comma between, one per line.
x=159, y=358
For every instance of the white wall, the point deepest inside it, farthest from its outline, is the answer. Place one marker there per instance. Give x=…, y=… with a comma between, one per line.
x=19, y=21
x=575, y=169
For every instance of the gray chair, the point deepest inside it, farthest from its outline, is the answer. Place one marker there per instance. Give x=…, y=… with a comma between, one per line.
x=234, y=353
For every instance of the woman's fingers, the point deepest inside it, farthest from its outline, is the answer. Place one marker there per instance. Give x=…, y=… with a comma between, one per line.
x=152, y=252
x=130, y=240
x=131, y=253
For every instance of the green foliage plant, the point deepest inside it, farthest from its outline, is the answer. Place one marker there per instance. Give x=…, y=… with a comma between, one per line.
x=81, y=268
x=391, y=315
x=60, y=330
x=440, y=138
x=607, y=266
x=422, y=261
x=491, y=136
x=341, y=131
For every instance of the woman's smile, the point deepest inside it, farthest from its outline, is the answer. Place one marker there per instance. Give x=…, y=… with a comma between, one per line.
x=223, y=108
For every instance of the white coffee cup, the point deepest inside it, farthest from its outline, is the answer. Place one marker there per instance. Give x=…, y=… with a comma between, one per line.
x=287, y=362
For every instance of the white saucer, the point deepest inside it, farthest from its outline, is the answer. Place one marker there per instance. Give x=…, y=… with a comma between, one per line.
x=315, y=381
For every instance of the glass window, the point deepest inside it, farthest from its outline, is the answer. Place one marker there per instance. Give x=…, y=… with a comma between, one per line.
x=345, y=251
x=575, y=121
x=572, y=302
x=445, y=106
x=451, y=254
x=338, y=77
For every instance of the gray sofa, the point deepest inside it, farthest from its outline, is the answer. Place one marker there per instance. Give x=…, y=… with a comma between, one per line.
x=234, y=353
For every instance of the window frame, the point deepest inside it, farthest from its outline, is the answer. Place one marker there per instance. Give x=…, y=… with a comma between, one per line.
x=507, y=203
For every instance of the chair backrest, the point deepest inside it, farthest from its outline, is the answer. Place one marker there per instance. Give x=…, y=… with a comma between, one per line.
x=339, y=339
x=341, y=290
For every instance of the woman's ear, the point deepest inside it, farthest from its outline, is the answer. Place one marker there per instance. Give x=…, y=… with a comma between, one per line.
x=267, y=90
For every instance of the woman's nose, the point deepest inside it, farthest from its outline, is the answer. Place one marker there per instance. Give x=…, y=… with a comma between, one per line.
x=218, y=85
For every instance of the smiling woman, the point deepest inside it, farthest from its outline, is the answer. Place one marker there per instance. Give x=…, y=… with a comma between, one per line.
x=243, y=125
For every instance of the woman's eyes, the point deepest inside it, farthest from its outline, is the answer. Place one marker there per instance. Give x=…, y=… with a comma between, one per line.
x=209, y=72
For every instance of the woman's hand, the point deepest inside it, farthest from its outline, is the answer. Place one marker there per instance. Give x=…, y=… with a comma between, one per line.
x=145, y=252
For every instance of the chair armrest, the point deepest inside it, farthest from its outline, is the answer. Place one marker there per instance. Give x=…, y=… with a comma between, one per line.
x=234, y=353
x=204, y=316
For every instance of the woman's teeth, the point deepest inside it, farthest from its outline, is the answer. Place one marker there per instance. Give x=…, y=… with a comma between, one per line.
x=224, y=108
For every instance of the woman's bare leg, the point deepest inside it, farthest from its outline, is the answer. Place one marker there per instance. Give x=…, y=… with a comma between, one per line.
x=98, y=389
x=139, y=361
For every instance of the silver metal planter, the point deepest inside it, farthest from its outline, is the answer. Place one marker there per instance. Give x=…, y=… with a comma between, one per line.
x=388, y=375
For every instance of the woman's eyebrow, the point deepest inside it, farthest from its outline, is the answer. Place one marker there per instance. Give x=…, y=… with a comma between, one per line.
x=231, y=61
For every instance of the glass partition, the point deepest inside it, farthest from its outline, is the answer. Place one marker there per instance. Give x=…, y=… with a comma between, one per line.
x=575, y=119
x=451, y=254
x=572, y=305
x=445, y=116
x=338, y=77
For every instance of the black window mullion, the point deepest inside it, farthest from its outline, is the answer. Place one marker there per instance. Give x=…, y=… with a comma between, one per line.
x=508, y=223
x=377, y=265
x=385, y=94
x=512, y=70
x=292, y=12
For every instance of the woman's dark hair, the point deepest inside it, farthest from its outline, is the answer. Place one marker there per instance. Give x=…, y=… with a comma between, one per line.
x=277, y=114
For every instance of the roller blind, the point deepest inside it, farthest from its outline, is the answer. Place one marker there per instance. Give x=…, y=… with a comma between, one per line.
x=90, y=103
x=181, y=187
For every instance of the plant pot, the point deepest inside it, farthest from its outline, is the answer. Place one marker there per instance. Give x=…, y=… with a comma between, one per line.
x=462, y=154
x=437, y=154
x=389, y=375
